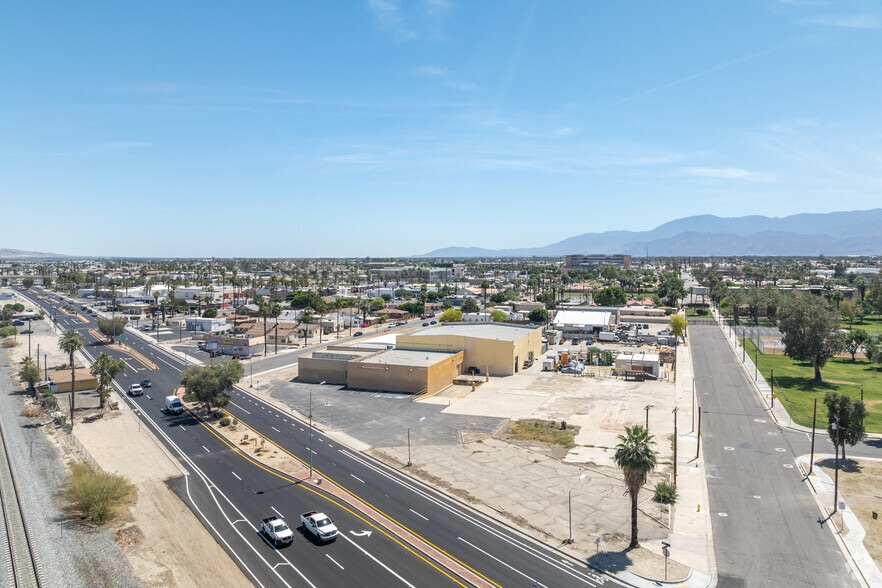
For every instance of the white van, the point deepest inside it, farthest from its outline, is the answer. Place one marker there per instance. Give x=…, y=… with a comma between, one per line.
x=173, y=405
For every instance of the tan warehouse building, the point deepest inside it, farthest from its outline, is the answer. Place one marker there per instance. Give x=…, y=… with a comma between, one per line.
x=428, y=360
x=497, y=349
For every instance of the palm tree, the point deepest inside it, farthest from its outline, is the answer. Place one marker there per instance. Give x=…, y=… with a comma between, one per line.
x=636, y=458
x=275, y=309
x=106, y=368
x=70, y=342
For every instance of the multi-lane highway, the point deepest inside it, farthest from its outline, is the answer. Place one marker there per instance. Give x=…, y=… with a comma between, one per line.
x=443, y=542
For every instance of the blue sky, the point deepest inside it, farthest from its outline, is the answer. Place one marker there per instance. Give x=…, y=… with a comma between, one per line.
x=393, y=128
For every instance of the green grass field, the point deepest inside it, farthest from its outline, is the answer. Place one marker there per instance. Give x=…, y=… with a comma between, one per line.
x=796, y=389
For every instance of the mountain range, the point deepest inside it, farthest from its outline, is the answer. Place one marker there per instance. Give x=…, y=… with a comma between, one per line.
x=857, y=232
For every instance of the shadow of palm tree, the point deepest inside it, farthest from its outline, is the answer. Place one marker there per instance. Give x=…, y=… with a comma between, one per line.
x=611, y=561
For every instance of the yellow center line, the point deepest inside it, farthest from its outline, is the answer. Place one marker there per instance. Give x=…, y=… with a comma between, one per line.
x=345, y=507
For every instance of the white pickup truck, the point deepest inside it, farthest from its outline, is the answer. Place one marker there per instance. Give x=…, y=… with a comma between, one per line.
x=276, y=531
x=319, y=525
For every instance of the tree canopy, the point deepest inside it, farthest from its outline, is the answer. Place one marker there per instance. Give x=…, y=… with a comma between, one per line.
x=845, y=420
x=29, y=372
x=210, y=384
x=538, y=315
x=671, y=289
x=112, y=327
x=808, y=326
x=106, y=368
x=611, y=296
x=469, y=305
x=451, y=315
x=677, y=322
x=498, y=316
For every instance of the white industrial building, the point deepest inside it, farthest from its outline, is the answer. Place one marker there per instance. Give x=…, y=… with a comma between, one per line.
x=583, y=321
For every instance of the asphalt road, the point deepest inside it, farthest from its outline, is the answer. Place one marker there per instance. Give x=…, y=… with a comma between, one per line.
x=767, y=528
x=230, y=494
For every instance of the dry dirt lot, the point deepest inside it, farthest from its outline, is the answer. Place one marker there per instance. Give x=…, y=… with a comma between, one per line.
x=860, y=483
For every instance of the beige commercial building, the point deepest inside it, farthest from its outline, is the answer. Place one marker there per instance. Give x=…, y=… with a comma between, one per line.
x=426, y=361
x=496, y=349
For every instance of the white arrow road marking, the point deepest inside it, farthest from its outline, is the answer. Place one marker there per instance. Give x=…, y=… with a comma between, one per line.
x=360, y=533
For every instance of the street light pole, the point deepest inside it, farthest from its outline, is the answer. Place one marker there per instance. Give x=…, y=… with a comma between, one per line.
x=675, y=444
x=570, y=505
x=835, y=427
x=646, y=408
x=408, y=441
x=694, y=394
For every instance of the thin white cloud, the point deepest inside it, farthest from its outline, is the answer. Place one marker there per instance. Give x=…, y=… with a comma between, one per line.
x=389, y=17
x=862, y=21
x=463, y=86
x=725, y=173
x=437, y=6
x=154, y=88
x=432, y=71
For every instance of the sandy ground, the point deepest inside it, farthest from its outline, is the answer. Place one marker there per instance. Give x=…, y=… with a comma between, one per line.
x=859, y=482
x=165, y=543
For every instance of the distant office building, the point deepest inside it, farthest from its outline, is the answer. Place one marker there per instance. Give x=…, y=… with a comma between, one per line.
x=596, y=260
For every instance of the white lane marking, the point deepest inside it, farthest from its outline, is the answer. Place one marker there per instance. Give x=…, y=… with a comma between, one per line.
x=418, y=514
x=488, y=554
x=335, y=561
x=357, y=478
x=182, y=427
x=277, y=512
x=780, y=449
x=379, y=563
x=331, y=446
x=207, y=450
x=582, y=575
x=240, y=408
x=723, y=514
x=214, y=493
x=237, y=476
x=275, y=429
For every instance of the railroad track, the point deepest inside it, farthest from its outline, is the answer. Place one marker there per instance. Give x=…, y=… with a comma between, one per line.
x=22, y=564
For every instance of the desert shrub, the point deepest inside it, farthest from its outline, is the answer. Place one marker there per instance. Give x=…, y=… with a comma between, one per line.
x=665, y=492
x=7, y=342
x=235, y=422
x=8, y=331
x=95, y=493
x=224, y=421
x=32, y=412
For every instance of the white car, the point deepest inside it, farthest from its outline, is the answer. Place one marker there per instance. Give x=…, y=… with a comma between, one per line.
x=136, y=390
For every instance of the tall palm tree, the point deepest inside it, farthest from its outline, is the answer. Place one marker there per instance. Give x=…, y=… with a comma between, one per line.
x=106, y=368
x=70, y=342
x=275, y=309
x=636, y=458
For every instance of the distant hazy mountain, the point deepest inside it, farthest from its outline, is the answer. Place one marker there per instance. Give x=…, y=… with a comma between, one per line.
x=17, y=254
x=836, y=233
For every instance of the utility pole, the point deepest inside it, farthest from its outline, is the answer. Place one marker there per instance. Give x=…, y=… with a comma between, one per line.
x=812, y=451
x=835, y=427
x=675, y=444
x=646, y=408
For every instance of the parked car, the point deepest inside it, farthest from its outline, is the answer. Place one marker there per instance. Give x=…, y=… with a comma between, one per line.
x=664, y=332
x=136, y=390
x=146, y=384
x=358, y=334
x=433, y=322
x=17, y=322
x=425, y=324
